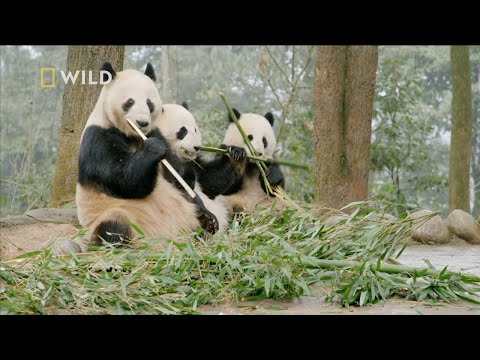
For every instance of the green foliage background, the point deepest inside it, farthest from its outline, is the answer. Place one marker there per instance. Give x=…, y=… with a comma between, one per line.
x=410, y=141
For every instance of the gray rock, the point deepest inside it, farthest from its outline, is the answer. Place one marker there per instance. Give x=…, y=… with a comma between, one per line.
x=464, y=226
x=83, y=242
x=62, y=246
x=431, y=231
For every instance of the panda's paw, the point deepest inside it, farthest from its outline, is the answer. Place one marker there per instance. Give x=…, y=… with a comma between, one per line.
x=237, y=153
x=208, y=221
x=274, y=176
x=156, y=147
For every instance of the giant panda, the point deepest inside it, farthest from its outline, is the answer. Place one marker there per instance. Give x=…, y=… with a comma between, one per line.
x=120, y=181
x=248, y=190
x=216, y=175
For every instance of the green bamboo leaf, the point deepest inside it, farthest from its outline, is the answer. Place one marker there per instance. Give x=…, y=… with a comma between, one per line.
x=137, y=229
x=363, y=298
x=440, y=276
x=29, y=254
x=469, y=299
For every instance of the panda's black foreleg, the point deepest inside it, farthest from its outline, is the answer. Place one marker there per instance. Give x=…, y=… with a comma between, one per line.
x=218, y=176
x=208, y=220
x=274, y=176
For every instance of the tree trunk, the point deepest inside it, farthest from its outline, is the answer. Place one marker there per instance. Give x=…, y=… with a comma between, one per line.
x=169, y=74
x=78, y=103
x=476, y=149
x=343, y=104
x=460, y=142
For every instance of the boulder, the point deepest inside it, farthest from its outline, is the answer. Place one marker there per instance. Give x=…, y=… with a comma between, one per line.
x=63, y=245
x=464, y=226
x=433, y=231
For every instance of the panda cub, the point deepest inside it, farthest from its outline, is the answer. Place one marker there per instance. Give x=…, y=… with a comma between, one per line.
x=120, y=181
x=182, y=134
x=249, y=189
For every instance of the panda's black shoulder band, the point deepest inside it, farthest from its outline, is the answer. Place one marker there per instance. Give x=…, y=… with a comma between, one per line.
x=107, y=164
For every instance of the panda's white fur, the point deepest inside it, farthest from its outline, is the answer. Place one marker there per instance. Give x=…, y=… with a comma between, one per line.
x=127, y=84
x=176, y=117
x=257, y=126
x=251, y=193
x=165, y=211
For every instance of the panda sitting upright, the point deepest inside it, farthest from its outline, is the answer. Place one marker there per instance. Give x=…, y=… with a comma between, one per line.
x=120, y=181
x=249, y=189
x=209, y=178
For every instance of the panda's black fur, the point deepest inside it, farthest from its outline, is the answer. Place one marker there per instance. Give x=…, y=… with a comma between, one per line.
x=217, y=176
x=106, y=162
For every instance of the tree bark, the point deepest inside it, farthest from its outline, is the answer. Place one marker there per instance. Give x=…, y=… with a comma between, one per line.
x=343, y=104
x=169, y=74
x=78, y=103
x=461, y=135
x=476, y=149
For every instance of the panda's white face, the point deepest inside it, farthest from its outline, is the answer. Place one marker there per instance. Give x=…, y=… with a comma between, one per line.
x=259, y=132
x=180, y=129
x=132, y=95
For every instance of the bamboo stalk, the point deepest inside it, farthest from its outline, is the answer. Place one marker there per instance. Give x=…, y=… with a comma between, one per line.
x=256, y=158
x=387, y=268
x=166, y=163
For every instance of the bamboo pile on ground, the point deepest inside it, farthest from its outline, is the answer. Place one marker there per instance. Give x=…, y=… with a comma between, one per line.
x=269, y=254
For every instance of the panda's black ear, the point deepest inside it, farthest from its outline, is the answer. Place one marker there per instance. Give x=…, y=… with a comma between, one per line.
x=237, y=114
x=106, y=66
x=269, y=117
x=185, y=105
x=150, y=72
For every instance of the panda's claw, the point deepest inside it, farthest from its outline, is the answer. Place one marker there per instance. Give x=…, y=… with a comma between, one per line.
x=208, y=221
x=237, y=153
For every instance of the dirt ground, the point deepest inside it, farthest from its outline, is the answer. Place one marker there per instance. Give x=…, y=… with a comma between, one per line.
x=26, y=236
x=19, y=239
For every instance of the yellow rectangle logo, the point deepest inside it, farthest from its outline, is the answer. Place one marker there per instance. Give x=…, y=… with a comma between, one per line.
x=42, y=71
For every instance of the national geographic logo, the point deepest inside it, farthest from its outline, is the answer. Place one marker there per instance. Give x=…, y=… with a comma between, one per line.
x=47, y=77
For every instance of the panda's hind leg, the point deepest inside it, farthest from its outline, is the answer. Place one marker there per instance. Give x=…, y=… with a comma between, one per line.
x=116, y=231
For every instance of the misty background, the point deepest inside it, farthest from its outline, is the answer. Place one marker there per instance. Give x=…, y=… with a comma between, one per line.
x=411, y=123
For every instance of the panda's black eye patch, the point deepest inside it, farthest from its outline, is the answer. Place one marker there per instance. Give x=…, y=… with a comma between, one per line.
x=127, y=105
x=182, y=133
x=150, y=105
x=265, y=142
x=250, y=137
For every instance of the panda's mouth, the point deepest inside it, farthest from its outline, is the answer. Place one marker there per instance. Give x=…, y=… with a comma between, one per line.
x=188, y=154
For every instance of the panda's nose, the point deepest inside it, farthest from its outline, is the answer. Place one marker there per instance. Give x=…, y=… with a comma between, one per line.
x=259, y=154
x=197, y=148
x=142, y=123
